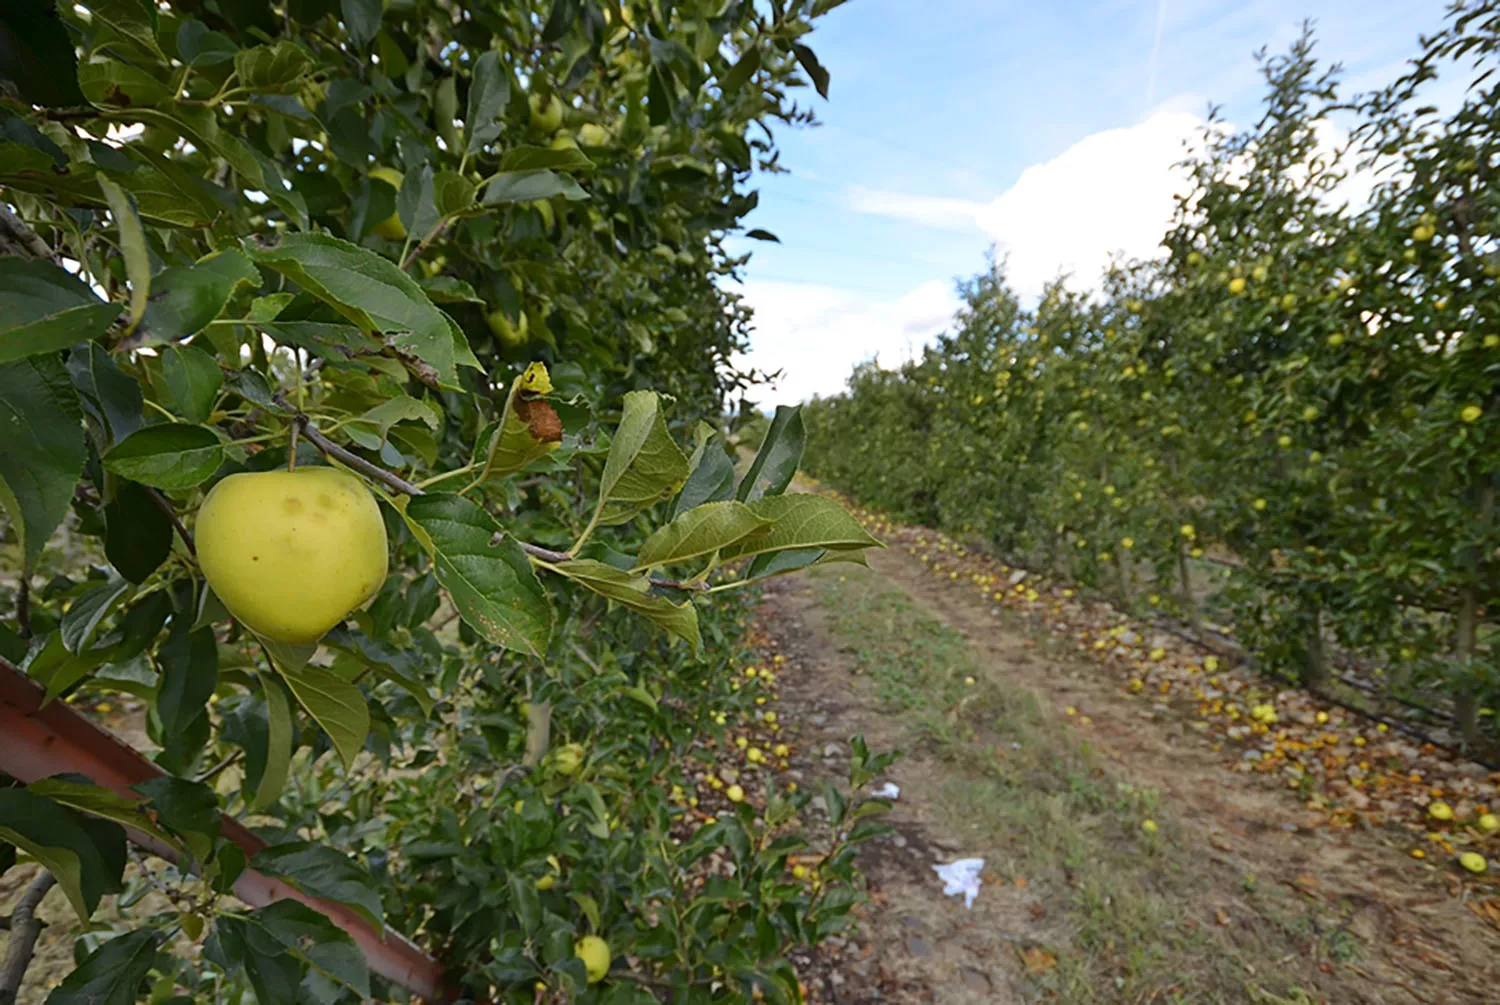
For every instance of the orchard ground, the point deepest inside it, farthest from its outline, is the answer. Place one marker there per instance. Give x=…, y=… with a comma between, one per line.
x=1049, y=763
x=1024, y=747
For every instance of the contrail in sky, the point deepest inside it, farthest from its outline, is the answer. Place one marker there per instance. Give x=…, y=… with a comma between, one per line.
x=1161, y=17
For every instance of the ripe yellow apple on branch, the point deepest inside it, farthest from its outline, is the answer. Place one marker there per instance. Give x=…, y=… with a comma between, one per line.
x=291, y=553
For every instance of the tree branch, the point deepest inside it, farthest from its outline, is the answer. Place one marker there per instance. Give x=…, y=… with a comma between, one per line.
x=25, y=926
x=358, y=463
x=14, y=232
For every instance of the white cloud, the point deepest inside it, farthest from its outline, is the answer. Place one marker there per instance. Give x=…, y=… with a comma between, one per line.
x=1110, y=192
x=933, y=211
x=818, y=333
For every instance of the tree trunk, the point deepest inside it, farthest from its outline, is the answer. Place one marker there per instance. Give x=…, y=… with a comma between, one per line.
x=1315, y=670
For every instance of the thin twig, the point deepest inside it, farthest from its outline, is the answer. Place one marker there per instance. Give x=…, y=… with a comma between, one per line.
x=25, y=927
x=353, y=460
x=166, y=507
x=432, y=235
x=226, y=762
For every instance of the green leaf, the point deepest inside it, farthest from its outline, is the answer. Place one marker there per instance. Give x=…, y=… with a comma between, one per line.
x=644, y=465
x=416, y=203
x=488, y=94
x=776, y=563
x=198, y=46
x=699, y=531
x=362, y=20
x=184, y=299
x=633, y=591
x=278, y=744
x=814, y=68
x=741, y=71
x=47, y=309
x=57, y=669
x=41, y=448
x=106, y=81
x=776, y=461
x=131, y=19
x=712, y=479
x=801, y=521
x=337, y=705
x=113, y=973
x=189, y=662
x=81, y=621
x=87, y=861
x=529, y=186
x=39, y=58
x=132, y=246
x=311, y=937
x=98, y=801
x=137, y=534
x=449, y=290
x=186, y=806
x=492, y=585
x=452, y=193
x=168, y=455
x=193, y=380
x=279, y=68
x=110, y=397
x=545, y=158
x=371, y=291
x=401, y=408
x=320, y=871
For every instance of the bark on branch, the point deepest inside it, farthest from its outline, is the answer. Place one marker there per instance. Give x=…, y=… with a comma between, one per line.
x=25, y=926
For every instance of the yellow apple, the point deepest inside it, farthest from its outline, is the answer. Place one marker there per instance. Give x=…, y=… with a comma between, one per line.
x=592, y=135
x=291, y=553
x=594, y=952
x=391, y=228
x=546, y=112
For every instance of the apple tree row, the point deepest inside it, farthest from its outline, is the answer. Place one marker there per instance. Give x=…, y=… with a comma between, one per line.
x=1288, y=421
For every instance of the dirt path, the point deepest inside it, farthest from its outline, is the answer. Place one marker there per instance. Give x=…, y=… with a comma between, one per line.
x=1297, y=912
x=914, y=944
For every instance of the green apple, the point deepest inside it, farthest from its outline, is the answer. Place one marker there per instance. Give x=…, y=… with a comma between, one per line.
x=546, y=112
x=510, y=335
x=591, y=134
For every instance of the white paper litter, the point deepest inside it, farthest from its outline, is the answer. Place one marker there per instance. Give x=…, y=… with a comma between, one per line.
x=888, y=791
x=961, y=877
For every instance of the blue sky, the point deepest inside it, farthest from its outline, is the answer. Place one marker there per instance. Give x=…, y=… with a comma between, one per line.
x=1046, y=129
